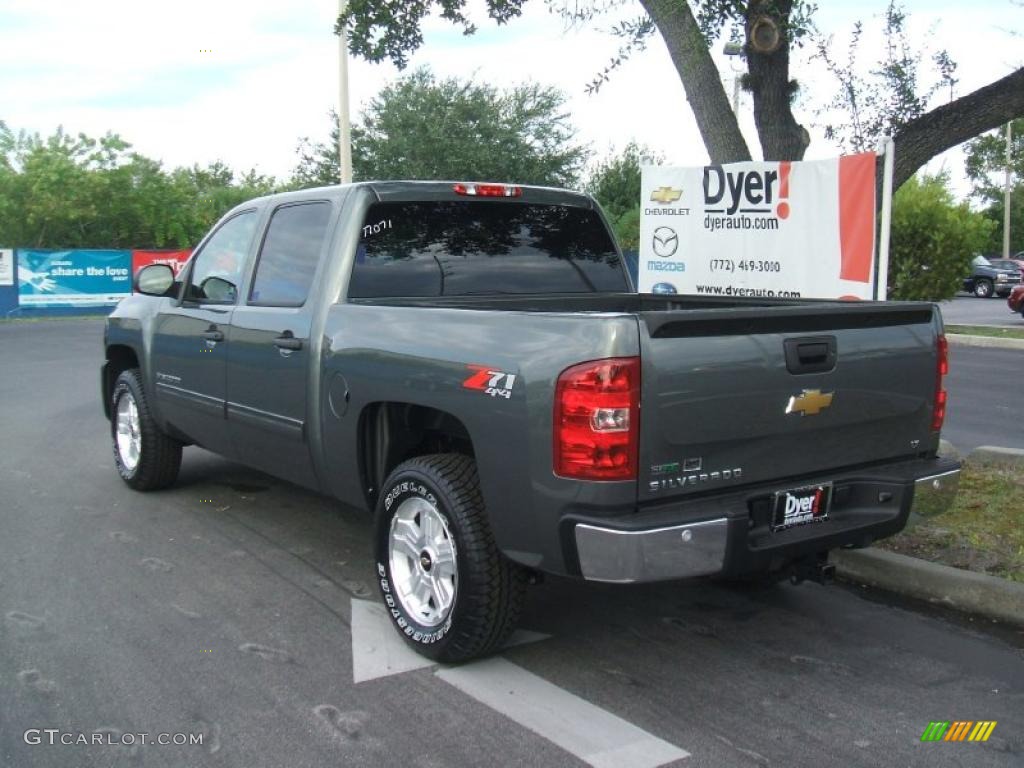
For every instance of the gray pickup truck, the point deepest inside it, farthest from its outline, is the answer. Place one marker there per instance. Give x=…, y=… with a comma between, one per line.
x=470, y=362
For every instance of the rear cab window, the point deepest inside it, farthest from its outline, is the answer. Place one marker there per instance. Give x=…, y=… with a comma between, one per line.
x=469, y=248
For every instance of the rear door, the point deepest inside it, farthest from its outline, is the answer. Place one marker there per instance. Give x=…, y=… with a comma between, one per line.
x=269, y=356
x=190, y=337
x=753, y=394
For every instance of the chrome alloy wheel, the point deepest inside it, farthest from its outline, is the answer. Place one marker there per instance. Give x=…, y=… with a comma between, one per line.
x=129, y=433
x=421, y=553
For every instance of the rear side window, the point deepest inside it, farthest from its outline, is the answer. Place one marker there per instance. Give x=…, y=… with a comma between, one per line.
x=290, y=254
x=478, y=247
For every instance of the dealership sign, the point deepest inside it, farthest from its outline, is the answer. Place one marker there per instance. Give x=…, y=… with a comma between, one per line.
x=776, y=229
x=73, y=278
x=176, y=260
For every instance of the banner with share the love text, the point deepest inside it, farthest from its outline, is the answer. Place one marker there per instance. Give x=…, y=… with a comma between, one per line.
x=761, y=229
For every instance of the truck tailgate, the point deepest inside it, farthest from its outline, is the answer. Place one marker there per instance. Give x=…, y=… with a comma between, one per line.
x=754, y=394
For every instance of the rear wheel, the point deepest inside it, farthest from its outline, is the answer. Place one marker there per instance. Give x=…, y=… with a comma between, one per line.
x=983, y=289
x=450, y=592
x=146, y=458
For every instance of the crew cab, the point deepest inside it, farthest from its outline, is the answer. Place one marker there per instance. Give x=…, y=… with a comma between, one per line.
x=470, y=363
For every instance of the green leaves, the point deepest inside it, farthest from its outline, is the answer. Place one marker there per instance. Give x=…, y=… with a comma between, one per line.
x=391, y=29
x=78, y=192
x=933, y=240
x=615, y=183
x=420, y=127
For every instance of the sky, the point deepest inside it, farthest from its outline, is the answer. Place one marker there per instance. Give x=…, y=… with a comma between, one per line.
x=197, y=81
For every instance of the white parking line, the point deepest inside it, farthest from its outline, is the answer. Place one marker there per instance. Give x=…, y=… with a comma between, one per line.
x=377, y=650
x=590, y=733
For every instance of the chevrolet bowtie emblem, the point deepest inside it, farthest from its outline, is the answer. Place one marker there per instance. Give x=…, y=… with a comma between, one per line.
x=810, y=402
x=666, y=195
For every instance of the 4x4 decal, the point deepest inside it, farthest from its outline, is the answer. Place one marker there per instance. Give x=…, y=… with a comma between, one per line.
x=490, y=382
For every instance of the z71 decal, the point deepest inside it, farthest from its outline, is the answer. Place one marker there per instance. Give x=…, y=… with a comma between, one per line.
x=490, y=382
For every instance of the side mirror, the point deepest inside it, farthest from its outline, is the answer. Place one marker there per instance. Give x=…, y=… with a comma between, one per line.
x=218, y=289
x=154, y=280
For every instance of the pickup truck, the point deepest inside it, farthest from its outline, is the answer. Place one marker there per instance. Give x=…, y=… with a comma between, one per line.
x=471, y=363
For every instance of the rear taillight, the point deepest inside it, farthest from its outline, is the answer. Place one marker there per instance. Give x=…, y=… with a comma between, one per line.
x=942, y=368
x=488, y=190
x=597, y=420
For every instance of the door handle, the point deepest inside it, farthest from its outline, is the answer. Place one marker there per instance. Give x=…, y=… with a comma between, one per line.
x=213, y=335
x=287, y=341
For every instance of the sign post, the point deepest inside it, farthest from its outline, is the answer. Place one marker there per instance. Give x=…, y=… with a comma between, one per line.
x=887, y=149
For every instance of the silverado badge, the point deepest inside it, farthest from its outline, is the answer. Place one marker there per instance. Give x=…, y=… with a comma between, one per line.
x=810, y=402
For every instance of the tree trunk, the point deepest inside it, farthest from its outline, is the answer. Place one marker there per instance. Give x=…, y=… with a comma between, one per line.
x=703, y=86
x=782, y=137
x=954, y=123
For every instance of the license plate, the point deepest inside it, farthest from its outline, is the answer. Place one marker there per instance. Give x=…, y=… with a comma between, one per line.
x=801, y=506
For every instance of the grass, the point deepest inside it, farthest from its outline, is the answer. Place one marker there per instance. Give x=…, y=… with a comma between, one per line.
x=983, y=531
x=987, y=330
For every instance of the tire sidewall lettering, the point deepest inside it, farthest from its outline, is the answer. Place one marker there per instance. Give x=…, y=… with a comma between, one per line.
x=413, y=631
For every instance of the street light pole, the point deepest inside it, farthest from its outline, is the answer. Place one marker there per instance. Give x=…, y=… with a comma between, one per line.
x=1006, y=191
x=344, y=124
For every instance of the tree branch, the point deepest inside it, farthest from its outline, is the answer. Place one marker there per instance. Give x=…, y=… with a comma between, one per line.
x=954, y=123
x=703, y=86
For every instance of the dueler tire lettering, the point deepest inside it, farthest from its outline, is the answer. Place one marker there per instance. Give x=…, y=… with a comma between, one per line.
x=490, y=588
x=160, y=455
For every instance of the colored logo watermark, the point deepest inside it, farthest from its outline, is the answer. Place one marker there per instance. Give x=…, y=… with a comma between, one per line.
x=958, y=730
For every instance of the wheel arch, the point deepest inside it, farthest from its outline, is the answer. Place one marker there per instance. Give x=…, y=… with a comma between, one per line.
x=120, y=358
x=392, y=432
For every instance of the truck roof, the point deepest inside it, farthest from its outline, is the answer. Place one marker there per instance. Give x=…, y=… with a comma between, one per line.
x=429, y=191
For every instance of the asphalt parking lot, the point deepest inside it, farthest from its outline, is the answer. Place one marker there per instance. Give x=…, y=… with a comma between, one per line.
x=240, y=608
x=965, y=309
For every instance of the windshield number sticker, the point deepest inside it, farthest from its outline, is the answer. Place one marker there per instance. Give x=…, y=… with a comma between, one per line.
x=490, y=382
x=376, y=229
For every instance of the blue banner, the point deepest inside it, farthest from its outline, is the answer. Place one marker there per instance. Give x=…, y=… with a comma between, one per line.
x=73, y=278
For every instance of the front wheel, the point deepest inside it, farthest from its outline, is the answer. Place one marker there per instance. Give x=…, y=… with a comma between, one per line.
x=146, y=458
x=983, y=289
x=450, y=592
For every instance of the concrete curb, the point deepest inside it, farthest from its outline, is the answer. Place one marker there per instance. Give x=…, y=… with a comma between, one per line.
x=966, y=591
x=994, y=456
x=964, y=340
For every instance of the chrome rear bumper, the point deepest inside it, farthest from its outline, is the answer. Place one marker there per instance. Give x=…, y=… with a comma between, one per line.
x=934, y=494
x=676, y=552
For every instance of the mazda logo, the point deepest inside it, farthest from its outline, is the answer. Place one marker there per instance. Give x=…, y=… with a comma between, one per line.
x=665, y=242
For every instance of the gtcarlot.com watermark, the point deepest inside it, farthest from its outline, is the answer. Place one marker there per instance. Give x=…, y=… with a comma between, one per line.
x=55, y=736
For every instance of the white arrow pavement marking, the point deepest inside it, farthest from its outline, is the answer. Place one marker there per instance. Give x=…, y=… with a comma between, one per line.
x=378, y=651
x=595, y=736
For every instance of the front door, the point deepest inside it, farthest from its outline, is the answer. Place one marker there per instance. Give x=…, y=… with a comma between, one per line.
x=190, y=338
x=269, y=358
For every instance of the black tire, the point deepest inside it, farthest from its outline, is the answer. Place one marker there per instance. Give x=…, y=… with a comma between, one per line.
x=489, y=589
x=983, y=289
x=159, y=457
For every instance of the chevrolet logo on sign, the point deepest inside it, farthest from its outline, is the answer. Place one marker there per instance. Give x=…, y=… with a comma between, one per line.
x=810, y=402
x=666, y=195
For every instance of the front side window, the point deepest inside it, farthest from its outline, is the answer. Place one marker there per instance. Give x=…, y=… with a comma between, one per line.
x=466, y=248
x=217, y=268
x=290, y=254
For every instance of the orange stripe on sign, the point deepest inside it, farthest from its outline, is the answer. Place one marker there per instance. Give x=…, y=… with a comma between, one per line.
x=857, y=216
